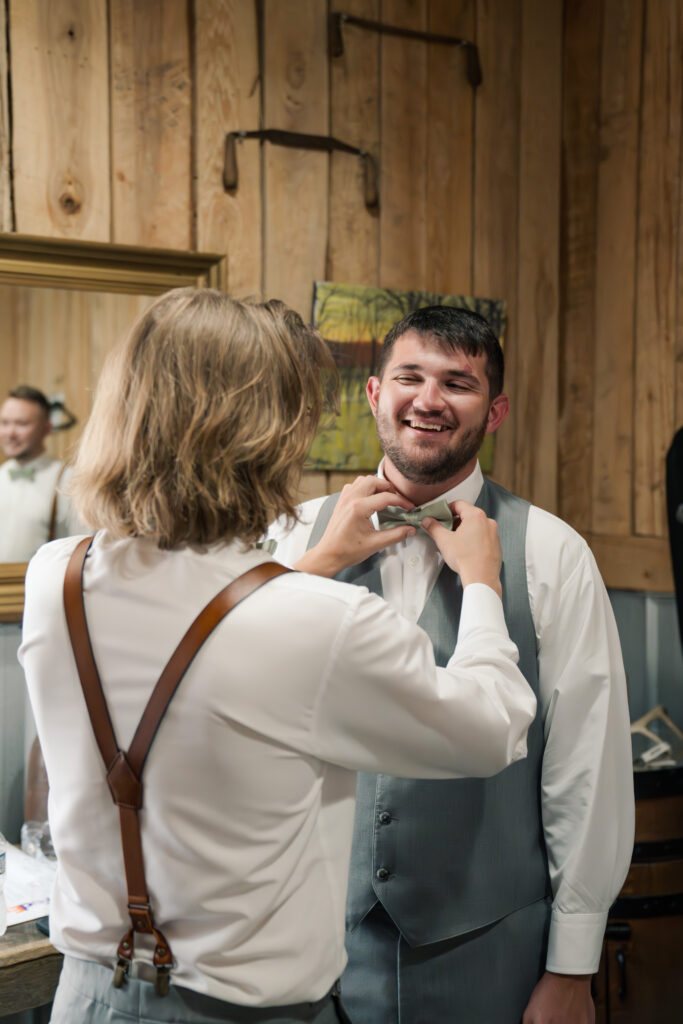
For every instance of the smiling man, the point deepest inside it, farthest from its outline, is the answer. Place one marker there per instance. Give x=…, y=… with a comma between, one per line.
x=483, y=901
x=32, y=508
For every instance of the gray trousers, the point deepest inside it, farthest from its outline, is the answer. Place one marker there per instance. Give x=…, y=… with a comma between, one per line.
x=85, y=995
x=484, y=977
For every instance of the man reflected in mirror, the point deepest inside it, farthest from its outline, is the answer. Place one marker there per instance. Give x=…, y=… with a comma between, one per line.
x=34, y=507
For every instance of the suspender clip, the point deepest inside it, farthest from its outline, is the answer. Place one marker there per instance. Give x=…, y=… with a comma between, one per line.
x=121, y=971
x=161, y=981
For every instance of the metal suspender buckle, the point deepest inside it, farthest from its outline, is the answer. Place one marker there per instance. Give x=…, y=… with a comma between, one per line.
x=121, y=972
x=161, y=981
x=141, y=917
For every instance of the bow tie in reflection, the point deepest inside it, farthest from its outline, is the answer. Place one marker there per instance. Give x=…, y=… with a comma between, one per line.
x=394, y=515
x=22, y=473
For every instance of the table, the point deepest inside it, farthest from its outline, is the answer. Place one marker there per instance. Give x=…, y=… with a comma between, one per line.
x=29, y=968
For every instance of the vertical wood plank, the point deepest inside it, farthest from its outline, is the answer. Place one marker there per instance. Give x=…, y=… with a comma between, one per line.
x=581, y=111
x=151, y=123
x=227, y=91
x=296, y=92
x=615, y=268
x=353, y=251
x=9, y=348
x=403, y=213
x=60, y=115
x=659, y=192
x=450, y=143
x=539, y=246
x=5, y=141
x=496, y=193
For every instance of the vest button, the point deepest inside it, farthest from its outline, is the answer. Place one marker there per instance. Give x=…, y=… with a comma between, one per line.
x=384, y=817
x=383, y=874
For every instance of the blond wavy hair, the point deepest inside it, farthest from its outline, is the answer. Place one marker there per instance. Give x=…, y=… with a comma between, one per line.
x=202, y=420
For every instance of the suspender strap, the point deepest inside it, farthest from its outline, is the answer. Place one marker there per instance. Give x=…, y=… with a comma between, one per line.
x=53, y=513
x=124, y=769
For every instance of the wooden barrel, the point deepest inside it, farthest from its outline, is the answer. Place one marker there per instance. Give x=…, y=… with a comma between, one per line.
x=641, y=976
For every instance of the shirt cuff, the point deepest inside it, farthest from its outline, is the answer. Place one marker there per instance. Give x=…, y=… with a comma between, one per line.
x=481, y=605
x=575, y=942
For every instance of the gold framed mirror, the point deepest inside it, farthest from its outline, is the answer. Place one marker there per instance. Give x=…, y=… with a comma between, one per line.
x=30, y=262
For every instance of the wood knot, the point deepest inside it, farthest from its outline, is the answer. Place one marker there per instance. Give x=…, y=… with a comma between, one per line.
x=70, y=204
x=295, y=71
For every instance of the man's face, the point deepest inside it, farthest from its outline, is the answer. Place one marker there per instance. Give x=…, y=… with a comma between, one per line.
x=23, y=429
x=432, y=410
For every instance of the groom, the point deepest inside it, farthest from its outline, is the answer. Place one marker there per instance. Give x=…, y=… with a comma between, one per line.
x=483, y=901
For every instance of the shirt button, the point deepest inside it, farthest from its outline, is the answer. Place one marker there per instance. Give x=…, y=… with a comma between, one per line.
x=384, y=818
x=413, y=561
x=383, y=874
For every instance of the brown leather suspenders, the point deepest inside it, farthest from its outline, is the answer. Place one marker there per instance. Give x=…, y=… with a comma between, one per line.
x=124, y=769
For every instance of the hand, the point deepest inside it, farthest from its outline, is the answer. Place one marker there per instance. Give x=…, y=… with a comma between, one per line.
x=561, y=999
x=350, y=537
x=473, y=548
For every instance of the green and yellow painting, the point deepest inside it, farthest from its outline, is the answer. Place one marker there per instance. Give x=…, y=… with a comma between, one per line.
x=354, y=319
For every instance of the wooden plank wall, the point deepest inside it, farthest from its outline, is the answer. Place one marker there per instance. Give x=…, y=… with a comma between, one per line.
x=555, y=185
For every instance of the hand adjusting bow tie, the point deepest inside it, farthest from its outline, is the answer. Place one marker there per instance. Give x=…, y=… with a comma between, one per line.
x=394, y=515
x=22, y=473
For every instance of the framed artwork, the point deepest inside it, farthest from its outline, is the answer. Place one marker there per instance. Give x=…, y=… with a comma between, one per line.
x=354, y=319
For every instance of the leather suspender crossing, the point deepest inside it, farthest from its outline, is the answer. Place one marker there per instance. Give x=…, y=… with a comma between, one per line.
x=124, y=768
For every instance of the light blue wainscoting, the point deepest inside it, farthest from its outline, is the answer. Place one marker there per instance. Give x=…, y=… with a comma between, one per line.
x=13, y=729
x=651, y=645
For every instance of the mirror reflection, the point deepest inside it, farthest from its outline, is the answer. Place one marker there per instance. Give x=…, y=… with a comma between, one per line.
x=53, y=345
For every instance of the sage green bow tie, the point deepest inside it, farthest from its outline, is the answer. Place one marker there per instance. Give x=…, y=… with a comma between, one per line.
x=22, y=473
x=394, y=515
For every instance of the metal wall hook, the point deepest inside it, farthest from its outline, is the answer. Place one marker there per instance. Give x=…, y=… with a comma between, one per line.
x=336, y=40
x=299, y=140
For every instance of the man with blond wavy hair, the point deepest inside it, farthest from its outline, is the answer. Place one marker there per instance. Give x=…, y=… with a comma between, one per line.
x=236, y=838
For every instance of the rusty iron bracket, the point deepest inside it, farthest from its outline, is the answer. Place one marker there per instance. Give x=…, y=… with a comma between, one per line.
x=299, y=140
x=336, y=40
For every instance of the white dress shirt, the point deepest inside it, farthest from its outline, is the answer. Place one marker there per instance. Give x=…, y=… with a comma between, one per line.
x=250, y=783
x=587, y=778
x=26, y=507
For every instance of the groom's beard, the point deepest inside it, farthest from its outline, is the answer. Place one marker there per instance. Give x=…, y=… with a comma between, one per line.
x=429, y=465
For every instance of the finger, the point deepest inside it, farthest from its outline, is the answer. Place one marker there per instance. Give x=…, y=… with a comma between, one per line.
x=357, y=508
x=434, y=528
x=465, y=510
x=378, y=502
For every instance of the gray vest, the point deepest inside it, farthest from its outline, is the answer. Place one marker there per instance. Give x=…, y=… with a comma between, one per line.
x=445, y=857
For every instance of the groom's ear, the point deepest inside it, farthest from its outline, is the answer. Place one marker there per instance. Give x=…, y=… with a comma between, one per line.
x=372, y=391
x=500, y=407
